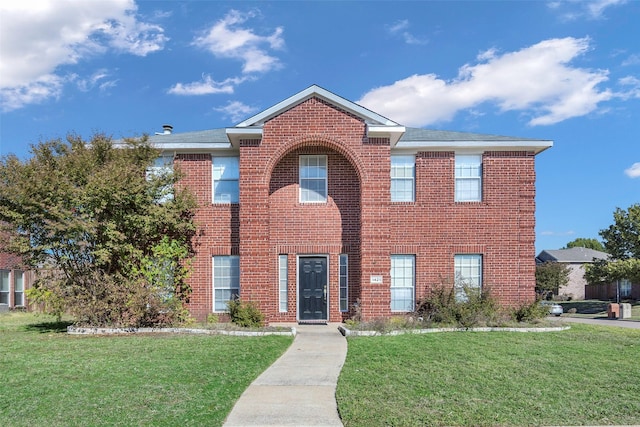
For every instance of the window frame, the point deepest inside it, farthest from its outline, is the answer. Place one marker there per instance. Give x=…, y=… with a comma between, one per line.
x=395, y=196
x=467, y=261
x=234, y=177
x=283, y=283
x=18, y=291
x=304, y=191
x=5, y=280
x=232, y=276
x=462, y=195
x=628, y=288
x=409, y=305
x=343, y=282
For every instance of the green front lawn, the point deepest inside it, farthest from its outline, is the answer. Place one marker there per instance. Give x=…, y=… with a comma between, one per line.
x=594, y=308
x=585, y=376
x=48, y=378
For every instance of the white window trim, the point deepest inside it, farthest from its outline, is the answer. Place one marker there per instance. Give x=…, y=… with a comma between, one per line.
x=301, y=159
x=213, y=180
x=412, y=178
x=213, y=281
x=283, y=283
x=461, y=179
x=412, y=287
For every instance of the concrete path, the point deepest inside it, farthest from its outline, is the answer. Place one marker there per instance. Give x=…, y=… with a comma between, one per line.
x=601, y=321
x=299, y=388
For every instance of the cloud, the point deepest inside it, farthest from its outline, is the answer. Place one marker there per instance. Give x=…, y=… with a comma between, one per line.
x=633, y=59
x=236, y=110
x=596, y=8
x=558, y=233
x=98, y=79
x=40, y=36
x=400, y=28
x=228, y=39
x=633, y=171
x=591, y=9
x=207, y=86
x=538, y=80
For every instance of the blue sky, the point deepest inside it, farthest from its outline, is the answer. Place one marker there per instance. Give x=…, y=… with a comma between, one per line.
x=568, y=71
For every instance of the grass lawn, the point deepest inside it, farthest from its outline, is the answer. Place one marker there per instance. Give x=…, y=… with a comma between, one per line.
x=49, y=378
x=595, y=308
x=585, y=376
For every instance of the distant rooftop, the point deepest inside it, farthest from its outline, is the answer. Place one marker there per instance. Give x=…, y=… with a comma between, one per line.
x=571, y=255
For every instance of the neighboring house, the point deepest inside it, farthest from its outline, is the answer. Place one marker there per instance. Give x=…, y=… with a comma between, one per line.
x=575, y=259
x=318, y=209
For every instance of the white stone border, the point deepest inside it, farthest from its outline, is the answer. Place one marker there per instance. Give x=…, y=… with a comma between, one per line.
x=77, y=330
x=348, y=332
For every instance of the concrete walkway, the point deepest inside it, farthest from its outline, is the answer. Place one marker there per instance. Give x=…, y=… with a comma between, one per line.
x=600, y=321
x=299, y=388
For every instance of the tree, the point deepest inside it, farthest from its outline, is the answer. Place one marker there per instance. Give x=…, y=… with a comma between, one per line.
x=550, y=276
x=622, y=242
x=108, y=244
x=582, y=242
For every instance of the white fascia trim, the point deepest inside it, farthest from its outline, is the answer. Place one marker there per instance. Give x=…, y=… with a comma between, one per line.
x=236, y=134
x=394, y=133
x=535, y=146
x=200, y=147
x=368, y=115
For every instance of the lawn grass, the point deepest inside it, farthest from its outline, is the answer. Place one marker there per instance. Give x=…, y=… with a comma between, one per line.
x=595, y=308
x=587, y=375
x=49, y=378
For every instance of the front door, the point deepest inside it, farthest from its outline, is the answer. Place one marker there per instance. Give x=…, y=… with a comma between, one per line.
x=312, y=292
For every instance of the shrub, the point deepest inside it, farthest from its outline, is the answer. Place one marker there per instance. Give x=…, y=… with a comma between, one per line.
x=245, y=313
x=529, y=312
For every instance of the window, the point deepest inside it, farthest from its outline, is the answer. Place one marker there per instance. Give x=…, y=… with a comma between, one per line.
x=402, y=282
x=162, y=167
x=18, y=288
x=226, y=281
x=625, y=288
x=226, y=176
x=468, y=178
x=313, y=179
x=468, y=275
x=402, y=178
x=344, y=283
x=4, y=287
x=283, y=271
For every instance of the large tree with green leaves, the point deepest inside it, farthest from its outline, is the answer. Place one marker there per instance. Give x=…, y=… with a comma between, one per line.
x=622, y=242
x=110, y=242
x=582, y=242
x=550, y=276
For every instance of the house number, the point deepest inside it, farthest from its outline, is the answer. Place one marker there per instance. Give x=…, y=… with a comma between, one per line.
x=376, y=280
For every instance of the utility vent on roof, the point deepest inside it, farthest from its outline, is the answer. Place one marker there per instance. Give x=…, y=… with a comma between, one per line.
x=166, y=130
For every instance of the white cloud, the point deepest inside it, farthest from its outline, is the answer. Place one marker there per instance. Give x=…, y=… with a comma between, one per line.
x=236, y=110
x=37, y=37
x=596, y=8
x=558, y=233
x=99, y=79
x=537, y=80
x=207, y=86
x=633, y=171
x=633, y=59
x=400, y=28
x=228, y=39
x=591, y=9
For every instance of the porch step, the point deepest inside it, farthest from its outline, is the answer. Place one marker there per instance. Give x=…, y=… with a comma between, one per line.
x=312, y=322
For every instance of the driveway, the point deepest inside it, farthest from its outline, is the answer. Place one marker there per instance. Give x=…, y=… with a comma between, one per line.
x=599, y=321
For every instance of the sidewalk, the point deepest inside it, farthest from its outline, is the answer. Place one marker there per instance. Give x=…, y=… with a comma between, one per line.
x=299, y=388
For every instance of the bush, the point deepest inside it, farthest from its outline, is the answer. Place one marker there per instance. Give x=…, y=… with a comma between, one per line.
x=478, y=307
x=530, y=312
x=245, y=313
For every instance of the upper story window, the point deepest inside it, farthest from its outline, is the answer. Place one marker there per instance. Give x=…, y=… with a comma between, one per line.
x=313, y=179
x=403, y=171
x=468, y=178
x=226, y=178
x=162, y=167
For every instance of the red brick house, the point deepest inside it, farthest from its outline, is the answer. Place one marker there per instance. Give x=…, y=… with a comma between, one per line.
x=318, y=207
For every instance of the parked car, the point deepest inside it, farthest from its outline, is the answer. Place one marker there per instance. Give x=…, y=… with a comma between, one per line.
x=555, y=309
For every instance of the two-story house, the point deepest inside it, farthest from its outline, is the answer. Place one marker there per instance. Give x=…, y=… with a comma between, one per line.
x=318, y=207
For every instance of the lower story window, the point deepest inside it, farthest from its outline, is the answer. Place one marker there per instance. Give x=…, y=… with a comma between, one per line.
x=625, y=288
x=18, y=288
x=468, y=275
x=226, y=281
x=402, y=282
x=344, y=283
x=283, y=271
x=4, y=287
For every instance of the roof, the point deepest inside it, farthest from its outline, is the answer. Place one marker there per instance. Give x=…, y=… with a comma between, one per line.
x=571, y=255
x=401, y=137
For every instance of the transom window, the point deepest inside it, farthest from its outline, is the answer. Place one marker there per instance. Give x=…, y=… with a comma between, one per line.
x=344, y=282
x=313, y=179
x=403, y=178
x=283, y=272
x=226, y=281
x=402, y=282
x=226, y=178
x=468, y=178
x=468, y=275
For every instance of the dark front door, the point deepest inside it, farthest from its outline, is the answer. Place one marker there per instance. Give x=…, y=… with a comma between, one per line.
x=312, y=295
